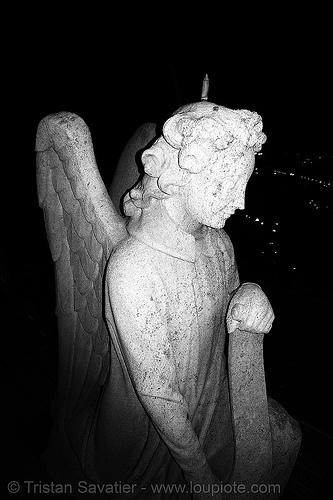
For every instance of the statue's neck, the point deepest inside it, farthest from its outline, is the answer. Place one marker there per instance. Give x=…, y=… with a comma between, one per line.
x=157, y=229
x=175, y=209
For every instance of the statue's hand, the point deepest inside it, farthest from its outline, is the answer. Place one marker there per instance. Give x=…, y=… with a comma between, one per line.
x=250, y=310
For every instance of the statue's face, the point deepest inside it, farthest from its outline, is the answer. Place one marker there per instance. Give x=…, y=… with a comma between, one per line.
x=214, y=194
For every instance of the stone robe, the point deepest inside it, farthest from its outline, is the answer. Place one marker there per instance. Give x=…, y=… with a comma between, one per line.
x=165, y=410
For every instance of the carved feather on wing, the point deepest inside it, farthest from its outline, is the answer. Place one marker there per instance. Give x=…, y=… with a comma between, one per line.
x=82, y=227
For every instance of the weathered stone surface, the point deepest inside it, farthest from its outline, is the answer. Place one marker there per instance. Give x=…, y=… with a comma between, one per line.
x=250, y=413
x=161, y=415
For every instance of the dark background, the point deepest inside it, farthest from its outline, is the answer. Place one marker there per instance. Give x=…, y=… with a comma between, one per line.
x=286, y=78
x=282, y=71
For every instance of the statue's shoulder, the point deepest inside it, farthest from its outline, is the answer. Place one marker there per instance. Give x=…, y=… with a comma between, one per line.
x=130, y=259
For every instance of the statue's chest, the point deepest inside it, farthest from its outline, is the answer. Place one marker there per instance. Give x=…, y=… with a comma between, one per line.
x=197, y=301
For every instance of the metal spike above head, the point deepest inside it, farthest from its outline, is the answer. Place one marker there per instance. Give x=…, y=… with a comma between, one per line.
x=205, y=88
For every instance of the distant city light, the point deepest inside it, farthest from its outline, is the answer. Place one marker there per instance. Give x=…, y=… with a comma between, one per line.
x=300, y=187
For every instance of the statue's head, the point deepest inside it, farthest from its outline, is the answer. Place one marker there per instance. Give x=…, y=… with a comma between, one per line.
x=206, y=153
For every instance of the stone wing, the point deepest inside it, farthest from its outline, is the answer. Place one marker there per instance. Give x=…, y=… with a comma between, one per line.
x=82, y=227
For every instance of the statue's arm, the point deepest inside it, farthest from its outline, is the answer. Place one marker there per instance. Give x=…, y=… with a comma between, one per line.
x=138, y=303
x=249, y=315
x=229, y=261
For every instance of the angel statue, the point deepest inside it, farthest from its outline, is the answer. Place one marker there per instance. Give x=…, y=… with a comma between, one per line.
x=149, y=403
